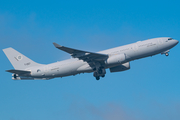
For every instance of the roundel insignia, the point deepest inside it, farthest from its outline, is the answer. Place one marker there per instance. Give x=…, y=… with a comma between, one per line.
x=19, y=57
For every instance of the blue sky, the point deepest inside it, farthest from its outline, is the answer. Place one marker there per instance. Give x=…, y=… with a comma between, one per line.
x=149, y=90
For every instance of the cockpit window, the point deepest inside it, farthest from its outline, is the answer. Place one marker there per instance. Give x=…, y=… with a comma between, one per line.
x=170, y=39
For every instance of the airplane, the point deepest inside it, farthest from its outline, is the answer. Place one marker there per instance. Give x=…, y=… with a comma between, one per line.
x=115, y=59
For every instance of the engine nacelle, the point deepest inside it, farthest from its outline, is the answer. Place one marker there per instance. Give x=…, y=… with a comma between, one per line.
x=116, y=59
x=119, y=68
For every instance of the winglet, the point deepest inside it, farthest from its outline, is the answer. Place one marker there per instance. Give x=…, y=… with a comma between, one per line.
x=56, y=45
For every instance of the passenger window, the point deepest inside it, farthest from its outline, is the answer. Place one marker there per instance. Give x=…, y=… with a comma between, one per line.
x=38, y=70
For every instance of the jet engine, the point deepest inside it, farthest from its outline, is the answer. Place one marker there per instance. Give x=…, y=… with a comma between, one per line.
x=119, y=68
x=116, y=59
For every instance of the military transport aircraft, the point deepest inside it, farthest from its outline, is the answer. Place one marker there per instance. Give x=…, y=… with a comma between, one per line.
x=116, y=59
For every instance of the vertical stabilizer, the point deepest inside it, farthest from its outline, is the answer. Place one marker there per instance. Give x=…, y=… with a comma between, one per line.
x=18, y=60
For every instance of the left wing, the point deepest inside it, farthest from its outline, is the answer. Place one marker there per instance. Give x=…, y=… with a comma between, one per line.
x=83, y=55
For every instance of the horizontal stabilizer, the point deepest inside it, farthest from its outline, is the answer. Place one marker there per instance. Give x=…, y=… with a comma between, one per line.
x=29, y=78
x=18, y=71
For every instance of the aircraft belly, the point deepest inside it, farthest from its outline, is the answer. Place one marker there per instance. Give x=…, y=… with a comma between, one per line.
x=84, y=68
x=66, y=70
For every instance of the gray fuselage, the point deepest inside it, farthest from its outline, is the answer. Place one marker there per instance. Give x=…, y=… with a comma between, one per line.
x=130, y=52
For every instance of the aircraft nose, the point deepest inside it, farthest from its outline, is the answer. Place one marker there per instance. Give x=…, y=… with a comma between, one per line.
x=173, y=42
x=176, y=42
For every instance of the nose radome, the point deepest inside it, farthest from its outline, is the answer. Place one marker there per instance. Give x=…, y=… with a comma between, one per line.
x=176, y=41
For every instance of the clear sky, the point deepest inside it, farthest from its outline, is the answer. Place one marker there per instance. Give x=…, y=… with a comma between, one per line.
x=150, y=90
